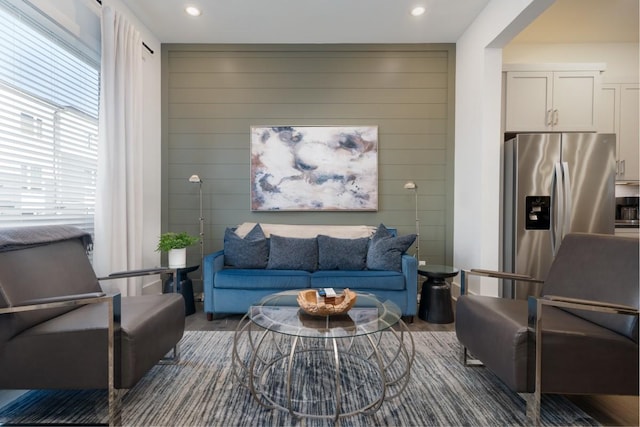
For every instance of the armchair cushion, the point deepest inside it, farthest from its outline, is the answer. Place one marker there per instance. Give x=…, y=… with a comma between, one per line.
x=582, y=351
x=72, y=339
x=571, y=346
x=505, y=352
x=68, y=347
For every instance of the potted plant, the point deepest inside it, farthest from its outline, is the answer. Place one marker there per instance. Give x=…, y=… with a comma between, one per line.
x=176, y=245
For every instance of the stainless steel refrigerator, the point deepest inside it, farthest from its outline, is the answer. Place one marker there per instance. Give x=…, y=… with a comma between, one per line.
x=554, y=184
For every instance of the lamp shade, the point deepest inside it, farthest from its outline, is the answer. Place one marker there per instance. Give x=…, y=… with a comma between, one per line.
x=410, y=185
x=194, y=178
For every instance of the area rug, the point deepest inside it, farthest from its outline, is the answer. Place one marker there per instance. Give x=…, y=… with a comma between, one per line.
x=202, y=391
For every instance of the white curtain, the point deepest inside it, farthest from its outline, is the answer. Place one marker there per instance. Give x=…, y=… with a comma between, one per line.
x=118, y=218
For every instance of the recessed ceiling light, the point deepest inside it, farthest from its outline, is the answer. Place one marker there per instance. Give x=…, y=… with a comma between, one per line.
x=192, y=10
x=417, y=11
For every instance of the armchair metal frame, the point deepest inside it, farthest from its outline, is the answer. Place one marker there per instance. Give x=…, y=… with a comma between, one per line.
x=535, y=315
x=114, y=316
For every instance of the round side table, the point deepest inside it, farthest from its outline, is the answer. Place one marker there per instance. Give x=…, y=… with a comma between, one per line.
x=435, y=298
x=184, y=286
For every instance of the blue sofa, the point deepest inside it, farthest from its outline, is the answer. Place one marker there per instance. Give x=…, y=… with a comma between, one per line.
x=233, y=290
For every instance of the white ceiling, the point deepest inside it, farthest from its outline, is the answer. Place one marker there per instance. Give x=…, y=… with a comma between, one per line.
x=585, y=21
x=307, y=21
x=374, y=21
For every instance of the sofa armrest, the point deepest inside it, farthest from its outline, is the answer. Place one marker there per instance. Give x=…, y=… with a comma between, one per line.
x=213, y=263
x=410, y=273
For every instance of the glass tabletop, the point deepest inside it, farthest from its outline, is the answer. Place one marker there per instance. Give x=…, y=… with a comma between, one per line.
x=280, y=313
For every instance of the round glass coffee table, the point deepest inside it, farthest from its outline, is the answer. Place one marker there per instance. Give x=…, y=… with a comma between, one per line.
x=325, y=367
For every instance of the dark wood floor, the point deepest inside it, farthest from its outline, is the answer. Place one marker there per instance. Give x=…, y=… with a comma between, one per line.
x=608, y=410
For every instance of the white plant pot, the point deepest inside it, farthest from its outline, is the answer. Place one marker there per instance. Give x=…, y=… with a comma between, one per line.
x=178, y=258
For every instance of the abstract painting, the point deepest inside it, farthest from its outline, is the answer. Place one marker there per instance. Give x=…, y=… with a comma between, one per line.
x=314, y=168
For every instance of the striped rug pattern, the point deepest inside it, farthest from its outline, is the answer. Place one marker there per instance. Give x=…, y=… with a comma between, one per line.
x=202, y=391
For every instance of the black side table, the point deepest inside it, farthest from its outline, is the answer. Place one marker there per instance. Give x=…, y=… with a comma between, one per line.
x=184, y=286
x=435, y=298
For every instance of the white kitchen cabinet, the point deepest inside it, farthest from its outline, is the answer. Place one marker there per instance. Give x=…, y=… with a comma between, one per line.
x=629, y=137
x=618, y=113
x=552, y=101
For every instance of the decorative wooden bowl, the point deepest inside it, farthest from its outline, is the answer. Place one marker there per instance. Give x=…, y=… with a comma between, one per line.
x=309, y=303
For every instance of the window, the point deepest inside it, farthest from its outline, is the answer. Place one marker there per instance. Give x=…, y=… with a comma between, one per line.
x=49, y=93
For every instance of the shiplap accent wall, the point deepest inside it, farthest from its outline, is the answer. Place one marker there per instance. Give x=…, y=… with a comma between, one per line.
x=212, y=94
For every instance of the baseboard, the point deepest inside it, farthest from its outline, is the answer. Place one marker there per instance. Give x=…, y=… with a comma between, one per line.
x=455, y=291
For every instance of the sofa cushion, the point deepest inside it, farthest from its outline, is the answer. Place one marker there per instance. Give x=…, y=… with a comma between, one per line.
x=291, y=253
x=252, y=251
x=342, y=254
x=231, y=278
x=358, y=280
x=385, y=251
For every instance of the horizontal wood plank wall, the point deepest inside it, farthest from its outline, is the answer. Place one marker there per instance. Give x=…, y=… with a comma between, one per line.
x=212, y=94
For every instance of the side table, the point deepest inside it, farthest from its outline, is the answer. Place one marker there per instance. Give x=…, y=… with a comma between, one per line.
x=178, y=281
x=182, y=283
x=435, y=298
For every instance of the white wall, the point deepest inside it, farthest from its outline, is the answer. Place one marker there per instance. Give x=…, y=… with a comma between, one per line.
x=621, y=58
x=478, y=133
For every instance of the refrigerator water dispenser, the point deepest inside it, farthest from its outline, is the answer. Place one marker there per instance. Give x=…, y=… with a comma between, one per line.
x=538, y=212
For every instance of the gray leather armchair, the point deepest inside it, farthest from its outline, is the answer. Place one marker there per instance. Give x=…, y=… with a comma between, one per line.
x=579, y=337
x=58, y=330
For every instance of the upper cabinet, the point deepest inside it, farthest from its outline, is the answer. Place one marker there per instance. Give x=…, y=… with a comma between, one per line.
x=618, y=113
x=551, y=101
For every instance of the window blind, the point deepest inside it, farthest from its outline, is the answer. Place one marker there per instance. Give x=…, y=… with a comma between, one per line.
x=49, y=95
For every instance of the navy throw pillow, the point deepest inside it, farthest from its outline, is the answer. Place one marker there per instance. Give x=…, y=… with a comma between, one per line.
x=292, y=253
x=385, y=251
x=252, y=251
x=342, y=254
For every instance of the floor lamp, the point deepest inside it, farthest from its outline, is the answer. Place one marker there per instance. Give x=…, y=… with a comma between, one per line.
x=195, y=179
x=410, y=185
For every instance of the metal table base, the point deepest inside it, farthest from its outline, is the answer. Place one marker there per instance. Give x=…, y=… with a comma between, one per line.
x=322, y=378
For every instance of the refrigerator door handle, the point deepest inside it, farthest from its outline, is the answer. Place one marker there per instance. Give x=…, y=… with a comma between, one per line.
x=557, y=202
x=566, y=227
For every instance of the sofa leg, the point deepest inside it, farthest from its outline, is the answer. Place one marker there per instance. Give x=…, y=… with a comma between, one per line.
x=407, y=319
x=209, y=317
